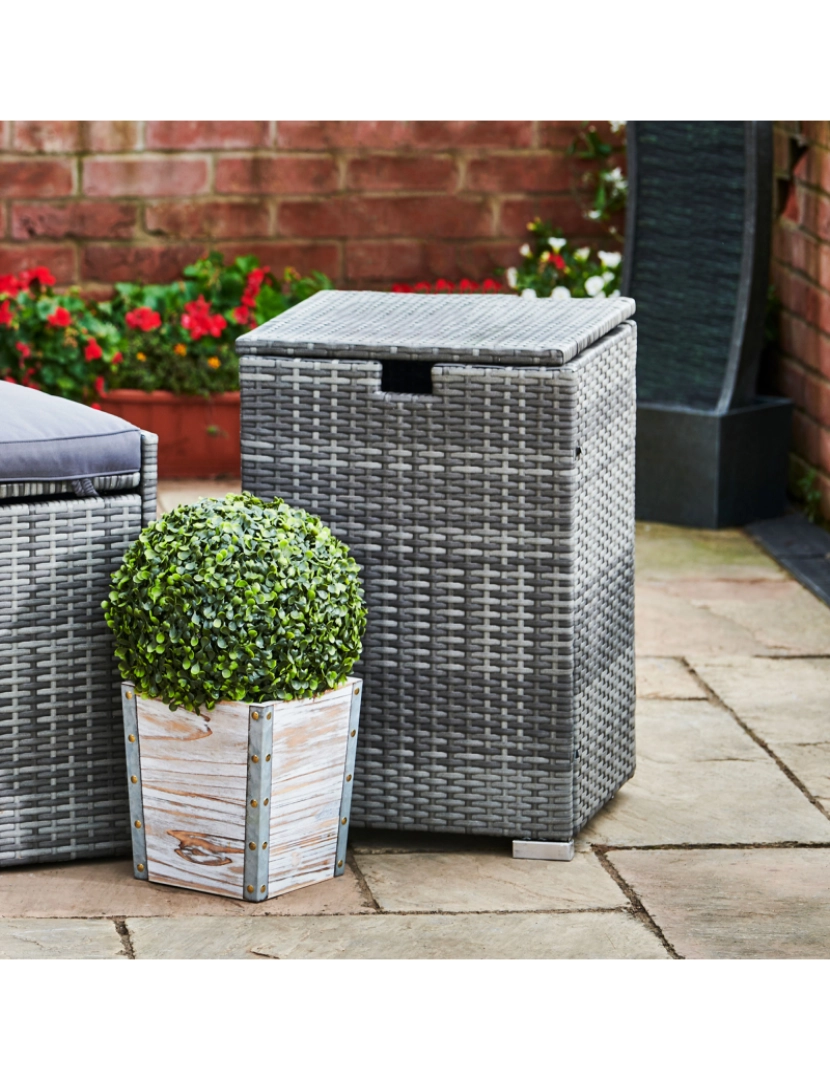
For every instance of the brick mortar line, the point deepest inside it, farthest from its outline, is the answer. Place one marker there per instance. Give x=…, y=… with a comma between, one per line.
x=802, y=275
x=126, y=938
x=714, y=699
x=798, y=317
x=638, y=908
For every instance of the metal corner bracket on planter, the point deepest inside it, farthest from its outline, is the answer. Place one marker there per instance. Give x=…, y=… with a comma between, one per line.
x=247, y=800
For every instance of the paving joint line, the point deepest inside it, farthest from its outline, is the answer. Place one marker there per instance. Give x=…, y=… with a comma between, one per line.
x=714, y=699
x=362, y=883
x=638, y=908
x=126, y=938
x=806, y=845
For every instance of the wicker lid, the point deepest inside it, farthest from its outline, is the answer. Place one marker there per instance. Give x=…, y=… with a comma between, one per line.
x=411, y=326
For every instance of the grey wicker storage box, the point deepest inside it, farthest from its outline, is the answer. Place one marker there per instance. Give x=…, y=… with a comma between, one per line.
x=492, y=512
x=62, y=762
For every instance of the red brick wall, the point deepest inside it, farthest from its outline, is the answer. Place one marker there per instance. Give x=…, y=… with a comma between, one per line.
x=801, y=274
x=368, y=203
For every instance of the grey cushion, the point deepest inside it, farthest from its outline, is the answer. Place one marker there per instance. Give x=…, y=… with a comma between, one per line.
x=48, y=438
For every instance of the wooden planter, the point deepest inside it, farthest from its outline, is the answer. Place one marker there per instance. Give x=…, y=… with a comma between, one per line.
x=247, y=801
x=198, y=436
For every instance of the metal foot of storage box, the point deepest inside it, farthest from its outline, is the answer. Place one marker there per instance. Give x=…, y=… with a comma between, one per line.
x=477, y=456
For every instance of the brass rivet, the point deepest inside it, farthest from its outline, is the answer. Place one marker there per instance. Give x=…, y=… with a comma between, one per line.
x=348, y=778
x=265, y=802
x=138, y=824
x=133, y=779
x=253, y=802
x=131, y=738
x=255, y=758
x=354, y=732
x=340, y=863
x=252, y=846
x=357, y=689
x=262, y=888
x=343, y=820
x=268, y=716
x=128, y=695
x=140, y=868
x=250, y=888
x=255, y=715
x=265, y=844
x=267, y=757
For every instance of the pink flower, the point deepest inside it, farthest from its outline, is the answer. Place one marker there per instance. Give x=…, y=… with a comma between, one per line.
x=59, y=317
x=143, y=318
x=93, y=351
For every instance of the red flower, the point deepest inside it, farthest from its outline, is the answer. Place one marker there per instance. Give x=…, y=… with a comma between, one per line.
x=488, y=285
x=256, y=278
x=422, y=286
x=442, y=285
x=465, y=285
x=23, y=349
x=117, y=358
x=558, y=261
x=95, y=405
x=241, y=314
x=93, y=351
x=5, y=314
x=199, y=322
x=401, y=288
x=99, y=385
x=143, y=318
x=59, y=317
x=9, y=284
x=41, y=275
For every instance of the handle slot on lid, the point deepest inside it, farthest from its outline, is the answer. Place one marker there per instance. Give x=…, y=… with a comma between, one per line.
x=406, y=377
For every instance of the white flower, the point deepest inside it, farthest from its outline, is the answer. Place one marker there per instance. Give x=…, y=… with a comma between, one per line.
x=525, y=250
x=614, y=174
x=560, y=293
x=594, y=285
x=611, y=295
x=529, y=294
x=610, y=259
x=608, y=277
x=594, y=215
x=616, y=125
x=581, y=254
x=512, y=276
x=557, y=242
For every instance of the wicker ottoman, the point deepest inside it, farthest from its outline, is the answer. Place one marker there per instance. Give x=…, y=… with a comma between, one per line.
x=62, y=533
x=477, y=455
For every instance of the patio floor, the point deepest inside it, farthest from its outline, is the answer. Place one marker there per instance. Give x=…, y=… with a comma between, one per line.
x=718, y=847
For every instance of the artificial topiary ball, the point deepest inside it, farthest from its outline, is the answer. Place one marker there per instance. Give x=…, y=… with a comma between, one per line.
x=236, y=599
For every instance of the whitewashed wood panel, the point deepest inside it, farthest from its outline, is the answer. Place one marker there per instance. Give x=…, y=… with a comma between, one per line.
x=307, y=781
x=193, y=773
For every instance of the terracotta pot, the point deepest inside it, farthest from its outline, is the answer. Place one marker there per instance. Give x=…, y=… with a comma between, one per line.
x=198, y=436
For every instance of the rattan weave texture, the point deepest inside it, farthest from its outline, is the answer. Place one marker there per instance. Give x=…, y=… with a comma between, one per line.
x=62, y=773
x=494, y=521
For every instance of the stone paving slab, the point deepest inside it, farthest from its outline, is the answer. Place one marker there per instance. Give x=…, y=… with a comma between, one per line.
x=454, y=882
x=701, y=779
x=670, y=624
x=521, y=936
x=60, y=939
x=719, y=904
x=668, y=552
x=107, y=888
x=665, y=677
x=786, y=703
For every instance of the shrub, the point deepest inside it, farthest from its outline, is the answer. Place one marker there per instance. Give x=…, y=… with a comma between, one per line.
x=60, y=344
x=550, y=268
x=179, y=337
x=236, y=599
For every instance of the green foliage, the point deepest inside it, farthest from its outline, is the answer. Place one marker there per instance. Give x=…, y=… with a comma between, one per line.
x=602, y=181
x=236, y=599
x=191, y=351
x=60, y=344
x=550, y=268
x=810, y=495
